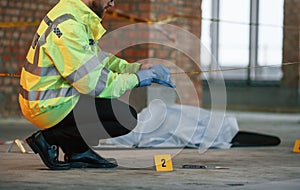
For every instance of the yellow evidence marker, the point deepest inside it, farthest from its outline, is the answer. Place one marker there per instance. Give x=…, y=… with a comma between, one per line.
x=297, y=146
x=163, y=163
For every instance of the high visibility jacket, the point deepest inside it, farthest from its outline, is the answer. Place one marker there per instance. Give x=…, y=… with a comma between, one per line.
x=65, y=61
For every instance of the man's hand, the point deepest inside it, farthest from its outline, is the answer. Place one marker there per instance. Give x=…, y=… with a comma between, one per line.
x=162, y=76
x=159, y=74
x=145, y=77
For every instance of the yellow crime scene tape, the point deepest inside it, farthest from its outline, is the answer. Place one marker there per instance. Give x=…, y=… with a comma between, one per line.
x=196, y=72
x=117, y=13
x=120, y=14
x=9, y=75
x=234, y=69
x=18, y=24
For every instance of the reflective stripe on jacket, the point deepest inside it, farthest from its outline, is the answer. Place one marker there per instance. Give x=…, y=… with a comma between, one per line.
x=65, y=61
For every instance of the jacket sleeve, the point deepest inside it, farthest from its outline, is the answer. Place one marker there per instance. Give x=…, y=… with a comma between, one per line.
x=83, y=66
x=119, y=65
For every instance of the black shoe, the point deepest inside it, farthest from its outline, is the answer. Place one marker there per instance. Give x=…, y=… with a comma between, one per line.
x=89, y=159
x=251, y=139
x=48, y=153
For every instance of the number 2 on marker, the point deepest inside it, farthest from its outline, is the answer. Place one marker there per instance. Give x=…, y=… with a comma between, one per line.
x=163, y=162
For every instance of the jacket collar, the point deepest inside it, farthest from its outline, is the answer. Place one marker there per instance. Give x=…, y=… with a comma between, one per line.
x=85, y=15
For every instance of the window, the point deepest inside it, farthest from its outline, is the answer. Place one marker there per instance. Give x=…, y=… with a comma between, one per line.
x=244, y=33
x=270, y=39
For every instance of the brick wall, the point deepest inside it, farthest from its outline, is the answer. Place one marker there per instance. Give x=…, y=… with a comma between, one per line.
x=16, y=40
x=14, y=43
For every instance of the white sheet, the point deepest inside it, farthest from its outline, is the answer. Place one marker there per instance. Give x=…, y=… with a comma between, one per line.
x=161, y=125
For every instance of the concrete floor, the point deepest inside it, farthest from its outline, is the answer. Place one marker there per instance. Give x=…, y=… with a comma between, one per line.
x=246, y=168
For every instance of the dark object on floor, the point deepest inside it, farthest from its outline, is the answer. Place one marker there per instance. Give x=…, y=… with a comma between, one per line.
x=250, y=139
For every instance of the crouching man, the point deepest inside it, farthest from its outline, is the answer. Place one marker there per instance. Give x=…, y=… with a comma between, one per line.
x=65, y=67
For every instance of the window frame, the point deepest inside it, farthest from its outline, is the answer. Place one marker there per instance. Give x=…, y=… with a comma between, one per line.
x=253, y=46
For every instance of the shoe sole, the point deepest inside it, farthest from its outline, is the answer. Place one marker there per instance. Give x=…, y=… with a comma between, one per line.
x=89, y=165
x=36, y=150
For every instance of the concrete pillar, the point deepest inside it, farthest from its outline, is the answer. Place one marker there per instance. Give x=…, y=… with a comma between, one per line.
x=291, y=51
x=291, y=41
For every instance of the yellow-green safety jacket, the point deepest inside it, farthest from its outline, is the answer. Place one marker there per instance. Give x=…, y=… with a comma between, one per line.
x=65, y=61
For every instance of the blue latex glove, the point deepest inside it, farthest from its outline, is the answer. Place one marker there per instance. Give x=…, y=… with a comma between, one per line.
x=162, y=76
x=145, y=77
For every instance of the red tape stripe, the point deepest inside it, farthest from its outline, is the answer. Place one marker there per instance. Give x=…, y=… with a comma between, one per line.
x=10, y=142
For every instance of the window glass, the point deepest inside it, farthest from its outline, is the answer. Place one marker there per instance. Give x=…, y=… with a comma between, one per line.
x=270, y=39
x=234, y=37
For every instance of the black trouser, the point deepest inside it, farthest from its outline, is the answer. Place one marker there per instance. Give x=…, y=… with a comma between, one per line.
x=91, y=120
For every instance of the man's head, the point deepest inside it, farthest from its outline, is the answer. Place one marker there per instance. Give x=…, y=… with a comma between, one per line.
x=99, y=6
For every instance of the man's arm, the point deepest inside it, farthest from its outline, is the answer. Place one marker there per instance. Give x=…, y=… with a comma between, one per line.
x=80, y=64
